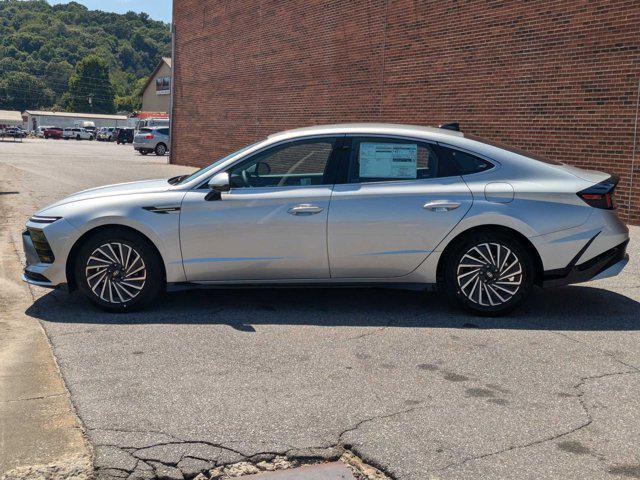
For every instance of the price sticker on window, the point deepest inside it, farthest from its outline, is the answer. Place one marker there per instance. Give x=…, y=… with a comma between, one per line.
x=388, y=160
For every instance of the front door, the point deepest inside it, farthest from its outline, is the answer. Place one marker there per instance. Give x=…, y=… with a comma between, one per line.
x=270, y=226
x=400, y=199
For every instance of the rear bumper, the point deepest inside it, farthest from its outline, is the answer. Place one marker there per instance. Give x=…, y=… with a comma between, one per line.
x=143, y=146
x=607, y=264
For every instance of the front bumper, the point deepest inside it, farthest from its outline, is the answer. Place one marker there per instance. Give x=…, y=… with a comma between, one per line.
x=40, y=270
x=32, y=274
x=607, y=264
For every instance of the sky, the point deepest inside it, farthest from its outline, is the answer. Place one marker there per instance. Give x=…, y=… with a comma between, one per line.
x=156, y=9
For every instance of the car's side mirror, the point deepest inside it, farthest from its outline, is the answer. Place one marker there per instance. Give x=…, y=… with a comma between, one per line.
x=218, y=184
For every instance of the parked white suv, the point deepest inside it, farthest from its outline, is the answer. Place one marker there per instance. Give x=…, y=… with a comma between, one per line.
x=77, y=133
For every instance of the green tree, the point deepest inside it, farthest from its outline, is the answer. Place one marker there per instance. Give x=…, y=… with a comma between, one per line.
x=21, y=91
x=133, y=102
x=90, y=88
x=129, y=103
x=58, y=75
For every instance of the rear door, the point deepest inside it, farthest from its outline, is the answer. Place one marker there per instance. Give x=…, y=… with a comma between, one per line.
x=399, y=199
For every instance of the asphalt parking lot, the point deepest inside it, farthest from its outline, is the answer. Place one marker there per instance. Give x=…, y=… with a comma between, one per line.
x=401, y=378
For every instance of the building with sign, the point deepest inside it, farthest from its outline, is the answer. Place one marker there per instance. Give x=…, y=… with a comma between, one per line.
x=559, y=79
x=156, y=94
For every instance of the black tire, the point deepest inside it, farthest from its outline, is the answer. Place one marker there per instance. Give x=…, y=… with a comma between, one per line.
x=161, y=149
x=144, y=152
x=494, y=289
x=144, y=291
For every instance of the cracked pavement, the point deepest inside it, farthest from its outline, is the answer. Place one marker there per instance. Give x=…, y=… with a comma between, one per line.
x=410, y=384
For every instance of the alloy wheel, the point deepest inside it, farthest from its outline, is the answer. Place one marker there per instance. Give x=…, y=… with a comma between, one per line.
x=489, y=274
x=116, y=272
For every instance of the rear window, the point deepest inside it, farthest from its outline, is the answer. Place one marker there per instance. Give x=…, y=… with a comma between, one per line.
x=515, y=150
x=164, y=131
x=146, y=130
x=466, y=163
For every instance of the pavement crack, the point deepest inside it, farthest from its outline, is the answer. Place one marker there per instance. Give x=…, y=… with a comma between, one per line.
x=586, y=344
x=124, y=430
x=373, y=419
x=378, y=330
x=588, y=421
x=41, y=397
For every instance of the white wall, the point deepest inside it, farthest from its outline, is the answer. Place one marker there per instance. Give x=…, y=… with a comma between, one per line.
x=64, y=122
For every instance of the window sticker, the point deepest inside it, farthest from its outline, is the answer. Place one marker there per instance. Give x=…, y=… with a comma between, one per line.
x=388, y=160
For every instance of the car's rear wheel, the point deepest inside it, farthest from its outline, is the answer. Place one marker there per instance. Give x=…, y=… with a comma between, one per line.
x=161, y=149
x=489, y=274
x=118, y=270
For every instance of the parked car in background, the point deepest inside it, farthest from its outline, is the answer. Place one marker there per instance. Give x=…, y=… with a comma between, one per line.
x=124, y=135
x=89, y=126
x=40, y=131
x=105, y=134
x=53, y=132
x=152, y=139
x=77, y=133
x=340, y=205
x=14, y=132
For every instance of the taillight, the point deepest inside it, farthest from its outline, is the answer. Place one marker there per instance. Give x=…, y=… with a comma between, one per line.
x=601, y=195
x=149, y=137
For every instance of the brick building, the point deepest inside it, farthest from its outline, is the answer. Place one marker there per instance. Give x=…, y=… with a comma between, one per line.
x=557, y=77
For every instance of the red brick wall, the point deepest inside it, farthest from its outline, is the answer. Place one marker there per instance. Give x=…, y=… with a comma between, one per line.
x=559, y=78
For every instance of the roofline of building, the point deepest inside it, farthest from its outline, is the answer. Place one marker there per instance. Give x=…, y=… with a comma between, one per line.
x=163, y=61
x=10, y=116
x=45, y=113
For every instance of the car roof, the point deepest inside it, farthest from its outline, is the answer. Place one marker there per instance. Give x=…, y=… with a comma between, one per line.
x=368, y=128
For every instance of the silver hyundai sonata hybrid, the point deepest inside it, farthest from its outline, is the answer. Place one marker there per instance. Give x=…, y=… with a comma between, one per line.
x=348, y=205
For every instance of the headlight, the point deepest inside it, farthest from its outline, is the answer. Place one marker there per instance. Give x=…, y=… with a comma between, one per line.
x=43, y=219
x=41, y=244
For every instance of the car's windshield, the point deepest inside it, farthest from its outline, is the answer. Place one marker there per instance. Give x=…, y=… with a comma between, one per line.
x=187, y=178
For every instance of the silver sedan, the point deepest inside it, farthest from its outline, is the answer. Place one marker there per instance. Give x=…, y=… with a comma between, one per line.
x=347, y=205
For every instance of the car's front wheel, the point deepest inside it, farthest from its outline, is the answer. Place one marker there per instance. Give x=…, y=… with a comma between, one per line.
x=489, y=274
x=118, y=270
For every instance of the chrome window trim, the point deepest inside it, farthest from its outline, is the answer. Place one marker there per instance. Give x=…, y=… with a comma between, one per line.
x=232, y=162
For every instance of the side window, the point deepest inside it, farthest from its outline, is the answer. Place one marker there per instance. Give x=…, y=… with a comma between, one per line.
x=293, y=164
x=465, y=162
x=387, y=159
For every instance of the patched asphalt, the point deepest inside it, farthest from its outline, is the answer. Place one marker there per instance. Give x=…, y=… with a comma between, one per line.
x=410, y=384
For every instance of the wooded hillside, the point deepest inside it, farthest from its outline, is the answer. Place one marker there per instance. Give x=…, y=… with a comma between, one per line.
x=43, y=47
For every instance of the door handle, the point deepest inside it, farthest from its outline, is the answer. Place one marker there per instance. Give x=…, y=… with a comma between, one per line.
x=441, y=206
x=305, y=209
